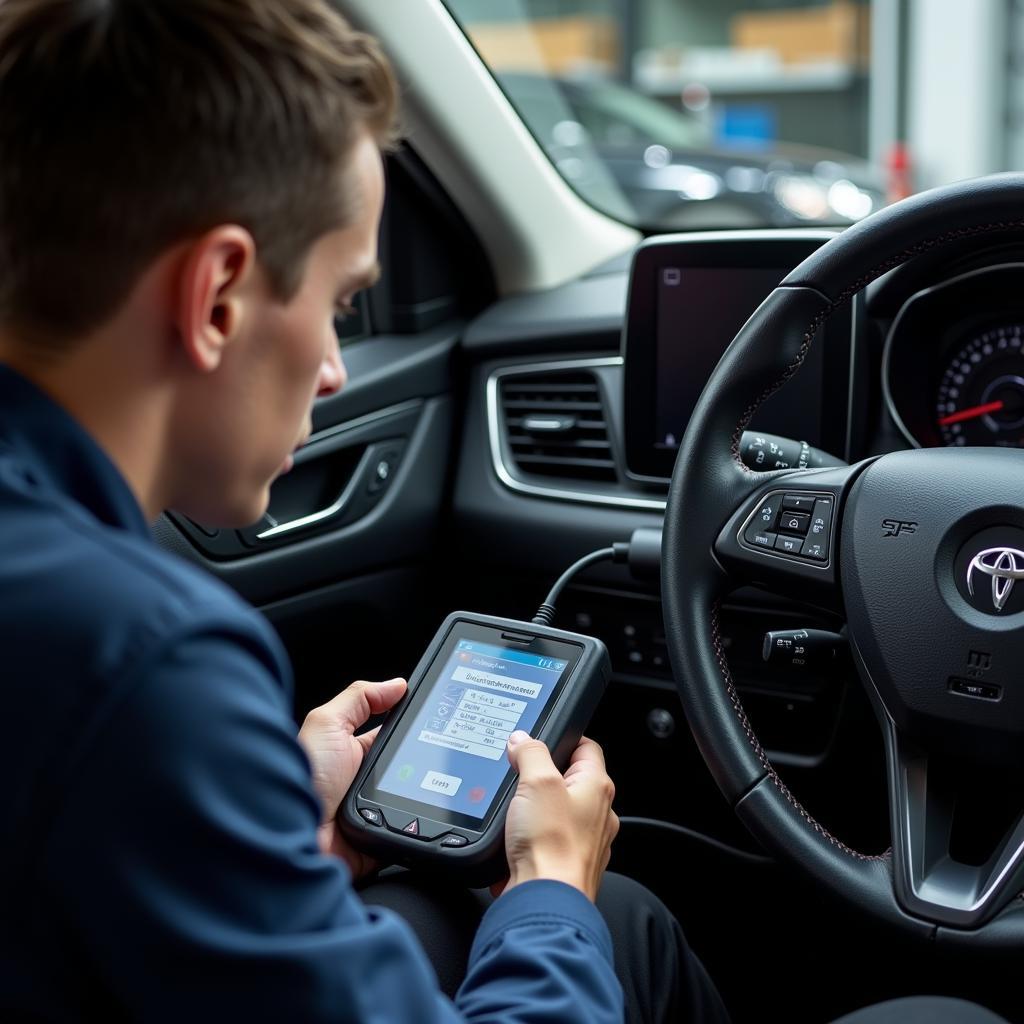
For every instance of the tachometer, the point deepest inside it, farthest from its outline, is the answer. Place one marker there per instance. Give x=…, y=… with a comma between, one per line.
x=980, y=398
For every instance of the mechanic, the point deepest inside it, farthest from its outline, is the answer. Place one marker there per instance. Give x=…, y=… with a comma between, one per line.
x=189, y=190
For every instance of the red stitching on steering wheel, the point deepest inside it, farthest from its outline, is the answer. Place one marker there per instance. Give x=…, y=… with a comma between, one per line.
x=809, y=335
x=737, y=704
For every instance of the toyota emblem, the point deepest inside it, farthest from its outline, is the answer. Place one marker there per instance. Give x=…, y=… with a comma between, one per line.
x=1003, y=565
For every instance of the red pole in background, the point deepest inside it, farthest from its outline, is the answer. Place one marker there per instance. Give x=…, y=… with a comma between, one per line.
x=899, y=183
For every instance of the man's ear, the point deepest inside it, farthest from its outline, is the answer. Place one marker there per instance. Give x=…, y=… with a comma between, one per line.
x=211, y=291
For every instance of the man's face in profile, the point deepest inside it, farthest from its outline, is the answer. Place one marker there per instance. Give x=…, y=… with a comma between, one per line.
x=247, y=417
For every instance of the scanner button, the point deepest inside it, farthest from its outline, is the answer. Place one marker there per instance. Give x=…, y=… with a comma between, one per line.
x=438, y=782
x=432, y=829
x=372, y=815
x=399, y=821
x=454, y=840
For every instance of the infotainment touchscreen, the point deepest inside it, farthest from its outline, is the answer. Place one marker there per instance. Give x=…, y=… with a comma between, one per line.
x=699, y=311
x=688, y=299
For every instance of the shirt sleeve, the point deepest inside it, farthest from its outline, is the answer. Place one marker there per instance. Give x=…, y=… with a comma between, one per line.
x=183, y=863
x=554, y=942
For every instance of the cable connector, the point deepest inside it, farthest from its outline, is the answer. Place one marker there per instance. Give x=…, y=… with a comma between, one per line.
x=545, y=615
x=644, y=553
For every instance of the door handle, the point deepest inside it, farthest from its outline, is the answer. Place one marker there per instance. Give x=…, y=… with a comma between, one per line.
x=323, y=515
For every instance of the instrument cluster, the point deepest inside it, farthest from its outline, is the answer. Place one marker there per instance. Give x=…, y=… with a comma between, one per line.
x=953, y=366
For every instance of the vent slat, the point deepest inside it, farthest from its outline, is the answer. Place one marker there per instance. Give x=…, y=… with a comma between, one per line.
x=550, y=460
x=580, y=449
x=540, y=406
x=517, y=421
x=557, y=442
x=560, y=389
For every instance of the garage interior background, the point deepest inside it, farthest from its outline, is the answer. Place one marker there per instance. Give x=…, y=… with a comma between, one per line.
x=927, y=91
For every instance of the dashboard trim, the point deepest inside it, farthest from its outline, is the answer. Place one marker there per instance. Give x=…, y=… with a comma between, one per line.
x=746, y=235
x=359, y=421
x=504, y=472
x=890, y=404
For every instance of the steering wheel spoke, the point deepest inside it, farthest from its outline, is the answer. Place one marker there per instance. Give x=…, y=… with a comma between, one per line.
x=958, y=835
x=783, y=534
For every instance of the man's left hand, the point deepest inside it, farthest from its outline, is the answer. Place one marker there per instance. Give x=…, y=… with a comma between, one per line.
x=335, y=753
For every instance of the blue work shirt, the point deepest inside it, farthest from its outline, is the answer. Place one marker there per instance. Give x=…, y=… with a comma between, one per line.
x=158, y=834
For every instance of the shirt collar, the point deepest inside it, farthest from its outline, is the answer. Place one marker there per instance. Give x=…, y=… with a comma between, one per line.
x=59, y=454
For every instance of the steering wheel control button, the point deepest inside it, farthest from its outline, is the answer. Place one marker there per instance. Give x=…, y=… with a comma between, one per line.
x=814, y=549
x=766, y=515
x=799, y=503
x=453, y=840
x=821, y=519
x=759, y=539
x=761, y=529
x=791, y=525
x=794, y=522
x=372, y=815
x=789, y=545
x=972, y=688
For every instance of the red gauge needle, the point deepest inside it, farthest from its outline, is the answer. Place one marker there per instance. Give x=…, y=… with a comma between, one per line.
x=970, y=414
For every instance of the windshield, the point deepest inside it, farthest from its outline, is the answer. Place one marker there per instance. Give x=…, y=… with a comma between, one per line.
x=616, y=116
x=678, y=114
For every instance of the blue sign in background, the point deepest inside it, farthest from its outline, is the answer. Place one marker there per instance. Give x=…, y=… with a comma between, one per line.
x=746, y=126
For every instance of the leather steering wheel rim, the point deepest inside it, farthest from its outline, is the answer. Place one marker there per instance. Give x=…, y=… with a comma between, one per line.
x=710, y=483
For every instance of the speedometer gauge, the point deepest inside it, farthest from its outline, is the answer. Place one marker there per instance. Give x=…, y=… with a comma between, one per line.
x=953, y=363
x=980, y=399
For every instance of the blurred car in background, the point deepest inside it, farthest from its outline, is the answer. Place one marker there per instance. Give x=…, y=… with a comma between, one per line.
x=668, y=169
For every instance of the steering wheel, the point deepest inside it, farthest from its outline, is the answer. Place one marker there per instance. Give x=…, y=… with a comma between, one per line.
x=923, y=553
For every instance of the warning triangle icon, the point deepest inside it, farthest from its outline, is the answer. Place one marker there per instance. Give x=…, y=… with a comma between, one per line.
x=413, y=828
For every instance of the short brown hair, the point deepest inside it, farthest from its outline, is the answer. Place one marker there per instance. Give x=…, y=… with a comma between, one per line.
x=129, y=125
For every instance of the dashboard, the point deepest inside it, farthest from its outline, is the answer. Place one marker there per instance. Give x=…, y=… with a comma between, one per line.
x=567, y=386
x=602, y=429
x=929, y=355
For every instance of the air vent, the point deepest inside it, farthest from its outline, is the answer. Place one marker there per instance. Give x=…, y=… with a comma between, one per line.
x=555, y=426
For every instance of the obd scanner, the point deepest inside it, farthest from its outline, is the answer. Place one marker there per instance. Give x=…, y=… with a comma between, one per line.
x=434, y=790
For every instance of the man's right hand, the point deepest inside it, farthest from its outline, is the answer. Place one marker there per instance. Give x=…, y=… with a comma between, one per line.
x=559, y=827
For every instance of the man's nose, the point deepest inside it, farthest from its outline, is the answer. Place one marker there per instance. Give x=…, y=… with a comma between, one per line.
x=333, y=375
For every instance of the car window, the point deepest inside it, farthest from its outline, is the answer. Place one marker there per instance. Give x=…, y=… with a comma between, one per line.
x=676, y=114
x=617, y=116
